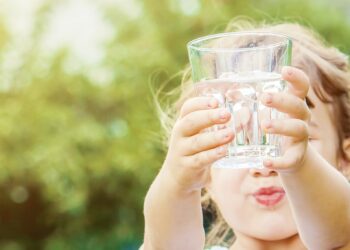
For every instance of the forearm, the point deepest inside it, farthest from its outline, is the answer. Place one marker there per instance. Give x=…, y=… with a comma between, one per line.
x=320, y=199
x=173, y=218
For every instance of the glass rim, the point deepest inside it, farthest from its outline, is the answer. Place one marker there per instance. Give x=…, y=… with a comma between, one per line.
x=193, y=45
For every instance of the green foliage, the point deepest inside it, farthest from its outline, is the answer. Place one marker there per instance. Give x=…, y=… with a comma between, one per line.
x=77, y=157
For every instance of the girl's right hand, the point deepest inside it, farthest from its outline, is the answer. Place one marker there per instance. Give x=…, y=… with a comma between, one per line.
x=192, y=151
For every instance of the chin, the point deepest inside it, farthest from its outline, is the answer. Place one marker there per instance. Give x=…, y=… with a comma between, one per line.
x=271, y=233
x=271, y=228
x=274, y=237
x=275, y=226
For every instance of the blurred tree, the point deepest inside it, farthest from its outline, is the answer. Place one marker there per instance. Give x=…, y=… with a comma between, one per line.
x=81, y=144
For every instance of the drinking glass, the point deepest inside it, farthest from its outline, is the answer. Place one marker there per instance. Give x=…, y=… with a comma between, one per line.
x=236, y=68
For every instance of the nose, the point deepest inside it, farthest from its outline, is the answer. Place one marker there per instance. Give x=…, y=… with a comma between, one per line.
x=262, y=172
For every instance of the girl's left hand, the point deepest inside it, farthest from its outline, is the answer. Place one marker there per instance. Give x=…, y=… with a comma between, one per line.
x=295, y=124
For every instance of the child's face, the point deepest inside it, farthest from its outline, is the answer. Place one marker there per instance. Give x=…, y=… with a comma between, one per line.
x=269, y=217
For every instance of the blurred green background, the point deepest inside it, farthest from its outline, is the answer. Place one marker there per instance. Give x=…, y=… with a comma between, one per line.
x=79, y=135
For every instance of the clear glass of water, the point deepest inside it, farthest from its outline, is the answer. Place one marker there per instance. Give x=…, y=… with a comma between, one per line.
x=236, y=68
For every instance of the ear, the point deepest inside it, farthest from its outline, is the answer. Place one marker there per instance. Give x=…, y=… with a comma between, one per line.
x=344, y=164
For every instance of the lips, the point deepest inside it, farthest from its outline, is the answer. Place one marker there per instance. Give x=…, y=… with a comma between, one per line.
x=269, y=196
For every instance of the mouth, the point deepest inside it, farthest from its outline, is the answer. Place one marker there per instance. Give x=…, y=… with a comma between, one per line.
x=269, y=196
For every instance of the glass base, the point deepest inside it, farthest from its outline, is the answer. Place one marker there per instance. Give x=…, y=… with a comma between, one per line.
x=247, y=156
x=237, y=163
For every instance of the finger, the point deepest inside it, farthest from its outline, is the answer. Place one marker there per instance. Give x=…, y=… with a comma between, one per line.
x=299, y=82
x=197, y=103
x=287, y=103
x=196, y=121
x=206, y=141
x=289, y=127
x=206, y=158
x=289, y=162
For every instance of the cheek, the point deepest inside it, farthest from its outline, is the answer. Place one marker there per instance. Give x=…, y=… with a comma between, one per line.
x=226, y=191
x=326, y=148
x=325, y=132
x=226, y=182
x=225, y=188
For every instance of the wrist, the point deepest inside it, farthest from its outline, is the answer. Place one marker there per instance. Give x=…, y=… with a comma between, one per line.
x=170, y=182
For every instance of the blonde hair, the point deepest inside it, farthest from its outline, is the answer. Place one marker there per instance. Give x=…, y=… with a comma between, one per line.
x=329, y=73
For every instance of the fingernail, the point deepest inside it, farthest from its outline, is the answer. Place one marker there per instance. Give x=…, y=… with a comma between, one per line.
x=212, y=103
x=221, y=126
x=268, y=163
x=226, y=134
x=223, y=114
x=267, y=124
x=267, y=98
x=221, y=149
x=288, y=70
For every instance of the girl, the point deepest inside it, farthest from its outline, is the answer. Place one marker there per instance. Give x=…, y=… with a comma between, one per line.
x=298, y=201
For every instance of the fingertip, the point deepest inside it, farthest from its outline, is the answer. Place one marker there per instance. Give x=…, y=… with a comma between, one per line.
x=268, y=163
x=266, y=124
x=222, y=150
x=298, y=81
x=232, y=136
x=266, y=98
x=287, y=71
x=223, y=115
x=213, y=103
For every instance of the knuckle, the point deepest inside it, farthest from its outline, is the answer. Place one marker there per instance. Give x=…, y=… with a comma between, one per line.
x=296, y=160
x=301, y=74
x=212, y=116
x=180, y=146
x=211, y=155
x=300, y=106
x=197, y=160
x=307, y=80
x=304, y=78
x=184, y=162
x=290, y=163
x=188, y=121
x=303, y=129
x=219, y=135
x=277, y=125
x=183, y=109
x=278, y=99
x=186, y=105
x=195, y=143
x=307, y=114
x=177, y=127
